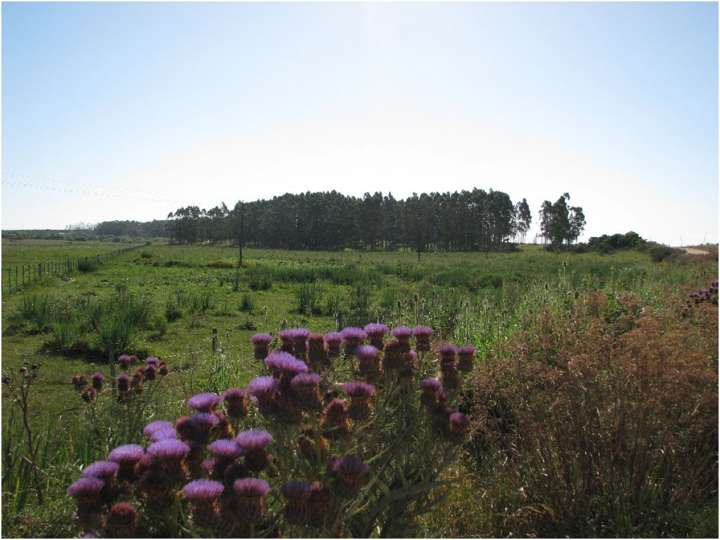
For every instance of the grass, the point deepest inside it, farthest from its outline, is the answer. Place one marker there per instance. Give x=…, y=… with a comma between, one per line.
x=17, y=252
x=191, y=290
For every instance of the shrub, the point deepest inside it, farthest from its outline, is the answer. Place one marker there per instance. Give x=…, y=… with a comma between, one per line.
x=159, y=324
x=37, y=310
x=659, y=253
x=366, y=463
x=309, y=298
x=88, y=265
x=259, y=280
x=173, y=311
x=247, y=304
x=600, y=421
x=359, y=308
x=146, y=255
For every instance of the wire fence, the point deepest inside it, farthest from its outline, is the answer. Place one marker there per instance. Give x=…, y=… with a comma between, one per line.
x=19, y=277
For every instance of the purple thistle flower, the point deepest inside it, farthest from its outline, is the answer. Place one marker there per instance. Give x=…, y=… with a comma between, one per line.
x=124, y=360
x=333, y=338
x=127, y=454
x=350, y=472
x=225, y=449
x=261, y=339
x=376, y=329
x=286, y=333
x=251, y=487
x=101, y=469
x=352, y=337
x=447, y=350
x=402, y=333
x=367, y=352
x=252, y=440
x=430, y=385
x=123, y=382
x=203, y=421
x=161, y=434
x=422, y=337
x=168, y=450
x=359, y=389
x=203, y=491
x=376, y=332
x=467, y=355
x=155, y=426
x=204, y=402
x=422, y=331
x=86, y=488
x=254, y=444
x=305, y=380
x=97, y=380
x=235, y=402
x=152, y=361
x=459, y=421
x=283, y=362
x=353, y=334
x=262, y=387
x=208, y=465
x=368, y=360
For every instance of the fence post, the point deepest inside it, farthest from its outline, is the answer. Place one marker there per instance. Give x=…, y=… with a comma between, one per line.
x=214, y=340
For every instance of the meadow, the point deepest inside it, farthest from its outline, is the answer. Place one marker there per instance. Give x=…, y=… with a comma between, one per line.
x=196, y=310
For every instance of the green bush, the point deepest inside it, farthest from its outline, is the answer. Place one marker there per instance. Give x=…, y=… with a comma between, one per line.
x=36, y=309
x=309, y=298
x=173, y=311
x=159, y=324
x=247, y=304
x=659, y=253
x=88, y=265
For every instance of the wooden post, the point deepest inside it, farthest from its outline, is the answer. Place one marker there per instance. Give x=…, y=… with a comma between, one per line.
x=214, y=340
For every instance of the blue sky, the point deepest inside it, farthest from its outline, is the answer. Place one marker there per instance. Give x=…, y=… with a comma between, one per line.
x=128, y=111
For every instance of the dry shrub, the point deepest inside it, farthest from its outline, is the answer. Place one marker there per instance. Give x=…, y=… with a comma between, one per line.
x=601, y=421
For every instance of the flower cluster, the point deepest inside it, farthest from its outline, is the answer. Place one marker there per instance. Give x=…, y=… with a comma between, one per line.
x=229, y=476
x=709, y=295
x=90, y=386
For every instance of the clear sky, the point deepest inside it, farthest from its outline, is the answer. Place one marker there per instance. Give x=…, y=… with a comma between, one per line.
x=128, y=111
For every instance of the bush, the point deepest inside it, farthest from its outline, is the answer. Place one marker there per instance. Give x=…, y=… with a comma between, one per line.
x=599, y=421
x=659, y=253
x=309, y=298
x=363, y=462
x=247, y=304
x=159, y=324
x=37, y=310
x=88, y=265
x=146, y=255
x=173, y=311
x=259, y=280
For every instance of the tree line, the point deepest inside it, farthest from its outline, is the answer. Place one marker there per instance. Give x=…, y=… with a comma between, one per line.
x=475, y=220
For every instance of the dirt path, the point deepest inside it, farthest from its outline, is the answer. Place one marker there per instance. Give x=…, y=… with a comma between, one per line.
x=695, y=251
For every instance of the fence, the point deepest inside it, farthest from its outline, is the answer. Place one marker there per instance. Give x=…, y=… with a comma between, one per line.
x=18, y=277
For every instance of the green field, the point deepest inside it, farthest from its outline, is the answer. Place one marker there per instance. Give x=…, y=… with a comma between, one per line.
x=190, y=291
